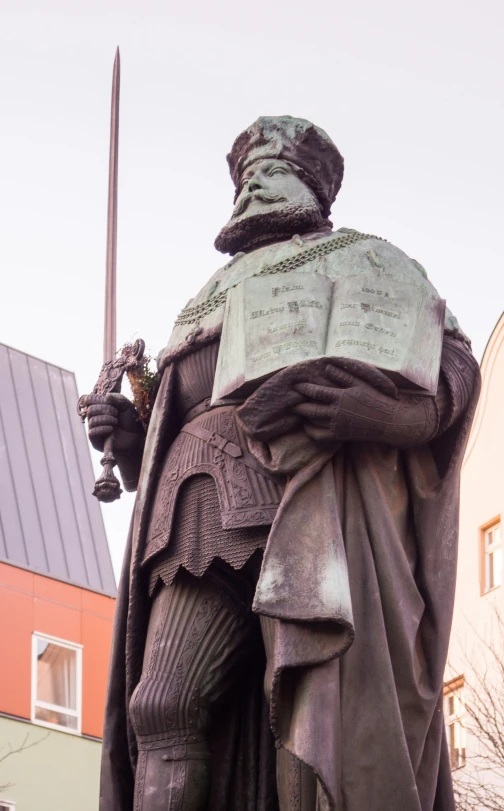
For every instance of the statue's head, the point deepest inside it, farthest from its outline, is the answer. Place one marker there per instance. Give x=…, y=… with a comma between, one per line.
x=287, y=173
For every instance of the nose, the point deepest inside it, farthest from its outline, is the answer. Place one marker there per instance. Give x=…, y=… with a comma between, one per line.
x=254, y=183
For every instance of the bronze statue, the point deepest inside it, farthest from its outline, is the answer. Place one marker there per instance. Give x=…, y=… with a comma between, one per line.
x=284, y=610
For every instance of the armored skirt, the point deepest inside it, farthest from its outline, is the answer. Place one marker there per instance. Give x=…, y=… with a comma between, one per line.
x=213, y=500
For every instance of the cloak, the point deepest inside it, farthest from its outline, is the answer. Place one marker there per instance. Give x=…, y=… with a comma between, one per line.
x=369, y=574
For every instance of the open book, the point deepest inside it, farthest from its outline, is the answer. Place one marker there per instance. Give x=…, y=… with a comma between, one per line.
x=274, y=321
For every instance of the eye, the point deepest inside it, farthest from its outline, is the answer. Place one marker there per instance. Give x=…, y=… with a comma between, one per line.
x=244, y=183
x=277, y=170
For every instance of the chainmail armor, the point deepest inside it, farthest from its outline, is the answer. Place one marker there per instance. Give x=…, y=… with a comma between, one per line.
x=198, y=537
x=187, y=524
x=191, y=315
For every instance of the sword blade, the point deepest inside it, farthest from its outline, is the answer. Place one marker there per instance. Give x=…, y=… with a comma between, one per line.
x=110, y=332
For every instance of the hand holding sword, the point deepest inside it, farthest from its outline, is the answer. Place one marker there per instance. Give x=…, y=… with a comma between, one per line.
x=113, y=421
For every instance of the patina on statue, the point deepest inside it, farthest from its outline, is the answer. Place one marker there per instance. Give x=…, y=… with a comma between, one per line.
x=284, y=610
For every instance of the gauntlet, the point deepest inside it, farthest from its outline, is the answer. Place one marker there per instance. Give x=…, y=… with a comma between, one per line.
x=362, y=413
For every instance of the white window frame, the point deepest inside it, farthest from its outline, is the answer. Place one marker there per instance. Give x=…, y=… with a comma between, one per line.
x=64, y=643
x=5, y=805
x=487, y=550
x=454, y=689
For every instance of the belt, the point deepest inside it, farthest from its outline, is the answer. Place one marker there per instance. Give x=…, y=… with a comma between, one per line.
x=216, y=440
x=200, y=408
x=224, y=445
x=196, y=410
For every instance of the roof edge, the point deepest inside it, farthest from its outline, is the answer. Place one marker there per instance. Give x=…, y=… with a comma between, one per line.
x=68, y=582
x=35, y=357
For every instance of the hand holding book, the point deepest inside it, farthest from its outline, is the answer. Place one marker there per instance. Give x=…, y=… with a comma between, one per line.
x=357, y=411
x=336, y=401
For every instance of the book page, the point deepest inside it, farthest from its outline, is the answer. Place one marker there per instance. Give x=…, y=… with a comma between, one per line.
x=423, y=361
x=274, y=321
x=374, y=320
x=230, y=370
x=285, y=320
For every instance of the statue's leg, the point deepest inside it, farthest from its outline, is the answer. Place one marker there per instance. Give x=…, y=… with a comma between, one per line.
x=198, y=632
x=296, y=782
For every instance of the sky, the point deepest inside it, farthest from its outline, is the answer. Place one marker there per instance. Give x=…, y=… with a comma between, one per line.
x=410, y=92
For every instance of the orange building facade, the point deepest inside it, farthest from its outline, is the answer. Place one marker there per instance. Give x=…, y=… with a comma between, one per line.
x=31, y=604
x=57, y=594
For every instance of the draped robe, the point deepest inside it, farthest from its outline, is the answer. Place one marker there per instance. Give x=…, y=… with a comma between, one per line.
x=358, y=576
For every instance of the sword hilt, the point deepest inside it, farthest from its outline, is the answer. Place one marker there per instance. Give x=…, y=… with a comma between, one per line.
x=107, y=487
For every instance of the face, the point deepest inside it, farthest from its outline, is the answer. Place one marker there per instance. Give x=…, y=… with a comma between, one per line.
x=268, y=183
x=273, y=204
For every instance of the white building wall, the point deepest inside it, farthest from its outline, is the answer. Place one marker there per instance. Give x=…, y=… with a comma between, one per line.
x=482, y=501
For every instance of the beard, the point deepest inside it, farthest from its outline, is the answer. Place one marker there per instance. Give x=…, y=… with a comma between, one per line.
x=281, y=221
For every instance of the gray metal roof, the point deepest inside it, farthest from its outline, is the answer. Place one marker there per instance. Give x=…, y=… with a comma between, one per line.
x=49, y=521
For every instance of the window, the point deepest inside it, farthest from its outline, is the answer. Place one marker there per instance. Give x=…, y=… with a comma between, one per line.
x=56, y=683
x=454, y=720
x=491, y=557
x=5, y=806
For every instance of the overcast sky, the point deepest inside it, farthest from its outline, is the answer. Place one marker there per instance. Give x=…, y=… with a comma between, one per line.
x=410, y=92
